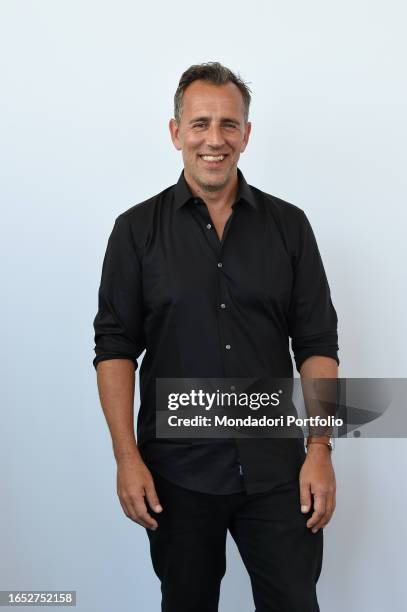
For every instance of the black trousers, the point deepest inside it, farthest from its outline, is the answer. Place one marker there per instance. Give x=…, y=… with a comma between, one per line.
x=282, y=556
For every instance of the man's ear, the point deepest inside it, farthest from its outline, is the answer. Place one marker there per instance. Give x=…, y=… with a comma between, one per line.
x=247, y=130
x=174, y=131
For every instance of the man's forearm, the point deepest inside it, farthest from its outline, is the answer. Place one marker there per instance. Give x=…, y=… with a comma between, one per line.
x=319, y=367
x=116, y=379
x=320, y=397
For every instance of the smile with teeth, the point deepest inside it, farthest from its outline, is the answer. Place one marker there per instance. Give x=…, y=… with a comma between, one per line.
x=213, y=158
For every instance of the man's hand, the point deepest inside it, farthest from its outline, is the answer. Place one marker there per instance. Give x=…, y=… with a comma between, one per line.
x=134, y=483
x=317, y=477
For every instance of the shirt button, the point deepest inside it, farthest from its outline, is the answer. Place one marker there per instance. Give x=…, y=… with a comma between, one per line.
x=223, y=305
x=209, y=226
x=232, y=388
x=220, y=264
x=228, y=347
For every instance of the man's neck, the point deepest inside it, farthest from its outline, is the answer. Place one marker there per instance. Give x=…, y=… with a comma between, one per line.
x=218, y=201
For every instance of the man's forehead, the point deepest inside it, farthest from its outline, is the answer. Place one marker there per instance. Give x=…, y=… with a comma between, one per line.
x=200, y=92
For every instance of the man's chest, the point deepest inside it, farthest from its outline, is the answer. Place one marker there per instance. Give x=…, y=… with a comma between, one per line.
x=188, y=261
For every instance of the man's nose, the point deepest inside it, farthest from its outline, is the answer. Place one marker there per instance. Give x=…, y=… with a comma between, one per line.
x=214, y=136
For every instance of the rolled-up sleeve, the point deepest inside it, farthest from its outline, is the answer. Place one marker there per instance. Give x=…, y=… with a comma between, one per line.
x=312, y=317
x=118, y=324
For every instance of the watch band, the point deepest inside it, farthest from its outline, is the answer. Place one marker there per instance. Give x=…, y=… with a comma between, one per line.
x=325, y=440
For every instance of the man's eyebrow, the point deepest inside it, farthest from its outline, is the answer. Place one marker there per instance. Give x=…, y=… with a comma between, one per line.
x=223, y=119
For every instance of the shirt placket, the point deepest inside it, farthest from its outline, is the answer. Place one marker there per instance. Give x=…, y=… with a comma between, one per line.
x=222, y=303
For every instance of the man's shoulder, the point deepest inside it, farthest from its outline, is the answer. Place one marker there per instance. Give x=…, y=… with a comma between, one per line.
x=286, y=211
x=272, y=202
x=142, y=210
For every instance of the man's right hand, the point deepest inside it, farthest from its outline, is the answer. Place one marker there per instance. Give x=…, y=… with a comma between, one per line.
x=134, y=484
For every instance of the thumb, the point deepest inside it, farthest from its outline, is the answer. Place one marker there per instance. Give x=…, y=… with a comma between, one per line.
x=305, y=497
x=152, y=498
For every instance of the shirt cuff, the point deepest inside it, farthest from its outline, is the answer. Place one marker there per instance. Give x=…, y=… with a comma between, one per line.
x=105, y=357
x=323, y=345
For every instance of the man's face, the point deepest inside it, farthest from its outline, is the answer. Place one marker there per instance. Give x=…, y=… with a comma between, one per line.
x=212, y=124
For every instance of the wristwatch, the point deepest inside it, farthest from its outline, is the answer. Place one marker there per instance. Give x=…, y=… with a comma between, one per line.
x=325, y=440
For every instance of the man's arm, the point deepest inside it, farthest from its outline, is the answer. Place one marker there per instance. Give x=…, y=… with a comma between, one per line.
x=119, y=340
x=115, y=379
x=317, y=476
x=312, y=324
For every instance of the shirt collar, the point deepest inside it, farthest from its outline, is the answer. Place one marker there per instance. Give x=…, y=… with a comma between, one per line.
x=183, y=193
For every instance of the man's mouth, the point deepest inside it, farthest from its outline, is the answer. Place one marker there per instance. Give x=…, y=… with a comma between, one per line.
x=213, y=160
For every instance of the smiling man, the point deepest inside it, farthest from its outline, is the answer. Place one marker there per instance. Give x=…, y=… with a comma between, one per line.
x=212, y=277
x=210, y=165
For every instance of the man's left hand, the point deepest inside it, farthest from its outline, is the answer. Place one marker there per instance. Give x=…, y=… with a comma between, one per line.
x=317, y=480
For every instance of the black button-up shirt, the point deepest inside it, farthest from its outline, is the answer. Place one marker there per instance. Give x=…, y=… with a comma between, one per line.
x=210, y=308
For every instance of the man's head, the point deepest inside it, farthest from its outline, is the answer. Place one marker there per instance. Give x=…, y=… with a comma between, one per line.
x=211, y=111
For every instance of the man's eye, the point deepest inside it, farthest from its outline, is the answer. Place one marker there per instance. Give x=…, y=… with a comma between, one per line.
x=228, y=125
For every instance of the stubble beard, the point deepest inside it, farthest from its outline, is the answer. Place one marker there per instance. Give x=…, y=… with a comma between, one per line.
x=210, y=187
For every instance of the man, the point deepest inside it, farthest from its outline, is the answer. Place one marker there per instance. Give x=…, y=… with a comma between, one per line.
x=212, y=277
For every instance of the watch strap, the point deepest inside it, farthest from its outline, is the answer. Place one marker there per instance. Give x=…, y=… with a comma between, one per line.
x=325, y=440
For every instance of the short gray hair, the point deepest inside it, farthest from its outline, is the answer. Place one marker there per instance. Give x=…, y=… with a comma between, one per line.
x=215, y=73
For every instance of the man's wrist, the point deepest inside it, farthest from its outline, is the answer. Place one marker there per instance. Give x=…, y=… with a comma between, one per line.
x=318, y=441
x=128, y=455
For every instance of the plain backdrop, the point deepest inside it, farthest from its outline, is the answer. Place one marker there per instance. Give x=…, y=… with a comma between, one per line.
x=86, y=94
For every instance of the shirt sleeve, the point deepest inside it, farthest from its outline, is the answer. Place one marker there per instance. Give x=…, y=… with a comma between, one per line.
x=312, y=317
x=118, y=323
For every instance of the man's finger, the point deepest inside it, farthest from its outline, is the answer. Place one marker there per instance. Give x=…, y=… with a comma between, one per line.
x=327, y=517
x=330, y=507
x=138, y=512
x=305, y=496
x=152, y=498
x=124, y=506
x=319, y=510
x=130, y=512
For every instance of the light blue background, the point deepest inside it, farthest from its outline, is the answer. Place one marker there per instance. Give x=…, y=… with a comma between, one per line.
x=87, y=91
